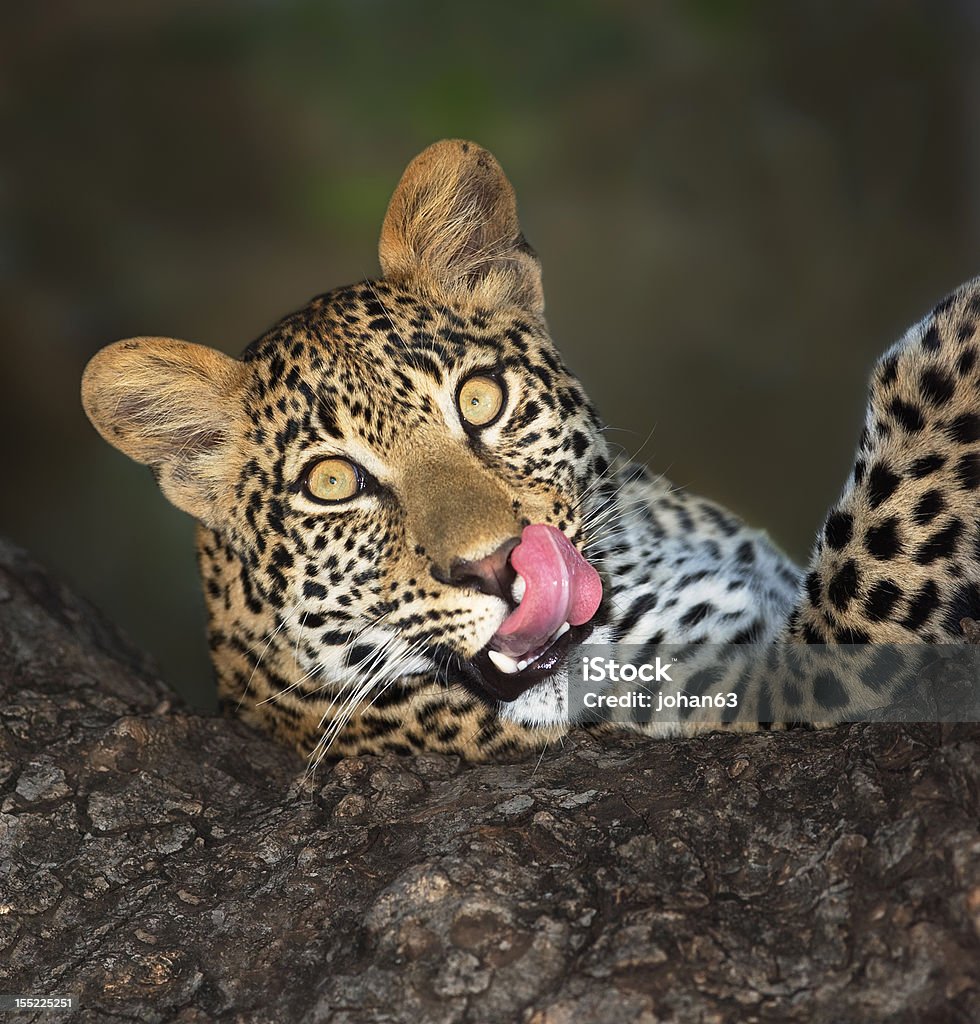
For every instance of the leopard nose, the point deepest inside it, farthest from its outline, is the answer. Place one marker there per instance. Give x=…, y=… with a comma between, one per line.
x=492, y=575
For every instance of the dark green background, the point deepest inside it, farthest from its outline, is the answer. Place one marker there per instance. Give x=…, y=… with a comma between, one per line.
x=737, y=207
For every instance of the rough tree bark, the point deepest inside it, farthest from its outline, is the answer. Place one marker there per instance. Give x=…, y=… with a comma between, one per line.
x=166, y=865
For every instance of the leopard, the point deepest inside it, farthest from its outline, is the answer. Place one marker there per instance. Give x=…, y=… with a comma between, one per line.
x=410, y=518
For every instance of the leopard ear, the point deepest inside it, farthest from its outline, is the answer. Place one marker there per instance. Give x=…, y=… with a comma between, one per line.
x=452, y=229
x=175, y=407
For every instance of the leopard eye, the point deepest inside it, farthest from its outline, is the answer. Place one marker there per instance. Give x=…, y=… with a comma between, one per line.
x=480, y=400
x=332, y=480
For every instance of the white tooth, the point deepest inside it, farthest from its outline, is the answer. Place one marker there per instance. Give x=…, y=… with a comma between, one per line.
x=517, y=589
x=521, y=665
x=504, y=662
x=562, y=630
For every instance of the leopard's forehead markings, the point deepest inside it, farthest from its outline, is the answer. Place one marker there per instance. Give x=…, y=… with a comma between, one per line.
x=370, y=321
x=377, y=360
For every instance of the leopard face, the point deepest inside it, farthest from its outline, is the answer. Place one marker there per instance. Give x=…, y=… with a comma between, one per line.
x=364, y=472
x=370, y=382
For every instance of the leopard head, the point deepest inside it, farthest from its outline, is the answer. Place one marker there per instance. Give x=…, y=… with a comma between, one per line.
x=385, y=476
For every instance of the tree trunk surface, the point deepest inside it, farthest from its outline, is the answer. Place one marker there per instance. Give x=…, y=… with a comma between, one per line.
x=165, y=865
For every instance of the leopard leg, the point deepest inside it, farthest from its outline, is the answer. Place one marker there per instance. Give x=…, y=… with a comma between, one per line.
x=897, y=560
x=898, y=557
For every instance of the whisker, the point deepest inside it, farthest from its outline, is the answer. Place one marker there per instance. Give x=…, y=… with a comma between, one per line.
x=261, y=658
x=378, y=681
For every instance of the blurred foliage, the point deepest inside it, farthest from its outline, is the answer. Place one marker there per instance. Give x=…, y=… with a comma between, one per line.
x=737, y=205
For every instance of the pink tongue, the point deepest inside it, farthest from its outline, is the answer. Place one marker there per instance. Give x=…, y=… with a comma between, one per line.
x=561, y=587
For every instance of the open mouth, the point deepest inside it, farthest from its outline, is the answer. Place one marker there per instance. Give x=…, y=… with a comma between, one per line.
x=561, y=594
x=506, y=679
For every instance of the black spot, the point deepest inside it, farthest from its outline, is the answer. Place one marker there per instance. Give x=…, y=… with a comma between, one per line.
x=966, y=361
x=745, y=553
x=813, y=588
x=964, y=429
x=637, y=610
x=315, y=590
x=886, y=663
x=359, y=655
x=883, y=541
x=251, y=600
x=937, y=386
x=849, y=635
x=921, y=606
x=428, y=365
x=401, y=749
x=928, y=507
x=965, y=331
x=696, y=613
x=728, y=526
x=692, y=577
x=859, y=471
x=881, y=484
x=569, y=406
x=941, y=544
x=333, y=637
x=881, y=599
x=327, y=418
x=908, y=416
x=388, y=696
x=931, y=340
x=764, y=713
x=810, y=635
x=968, y=471
x=730, y=714
x=431, y=711
x=529, y=413
x=838, y=529
x=828, y=691
x=282, y=557
x=927, y=464
x=889, y=370
x=844, y=586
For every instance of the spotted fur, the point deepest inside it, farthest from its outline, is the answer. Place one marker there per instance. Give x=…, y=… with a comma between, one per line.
x=347, y=629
